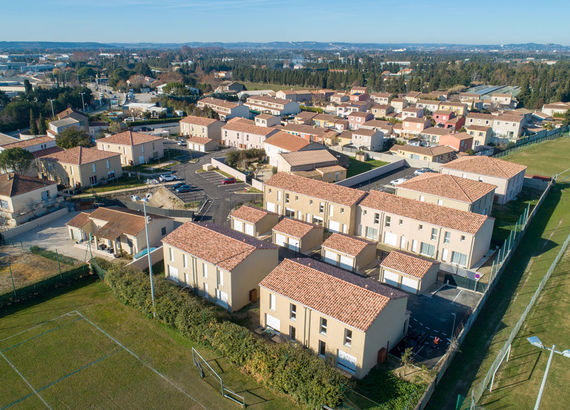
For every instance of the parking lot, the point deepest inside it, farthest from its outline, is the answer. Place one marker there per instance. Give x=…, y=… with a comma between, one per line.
x=382, y=183
x=194, y=195
x=215, y=178
x=434, y=316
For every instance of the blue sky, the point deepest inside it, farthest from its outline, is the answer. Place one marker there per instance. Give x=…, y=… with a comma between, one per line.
x=381, y=21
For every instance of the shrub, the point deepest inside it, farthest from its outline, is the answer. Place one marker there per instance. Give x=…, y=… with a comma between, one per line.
x=52, y=255
x=285, y=368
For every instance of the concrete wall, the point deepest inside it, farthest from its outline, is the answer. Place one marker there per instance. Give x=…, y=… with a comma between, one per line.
x=221, y=165
x=257, y=184
x=373, y=173
x=156, y=256
x=28, y=226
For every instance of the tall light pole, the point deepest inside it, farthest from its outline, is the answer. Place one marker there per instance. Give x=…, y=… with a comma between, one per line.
x=82, y=101
x=52, y=111
x=535, y=341
x=453, y=327
x=148, y=257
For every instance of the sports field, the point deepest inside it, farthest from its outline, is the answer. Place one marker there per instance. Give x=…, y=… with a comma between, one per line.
x=518, y=381
x=83, y=349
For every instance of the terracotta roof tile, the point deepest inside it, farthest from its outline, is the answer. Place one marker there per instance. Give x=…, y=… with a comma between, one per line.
x=480, y=164
x=215, y=244
x=219, y=103
x=318, y=189
x=14, y=184
x=346, y=244
x=193, y=119
x=250, y=213
x=128, y=138
x=29, y=143
x=408, y=264
x=437, y=150
x=348, y=298
x=80, y=155
x=248, y=126
x=462, y=221
x=79, y=220
x=287, y=141
x=199, y=140
x=295, y=228
x=448, y=186
x=311, y=157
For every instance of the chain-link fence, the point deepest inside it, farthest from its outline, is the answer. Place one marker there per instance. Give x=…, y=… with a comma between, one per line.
x=535, y=139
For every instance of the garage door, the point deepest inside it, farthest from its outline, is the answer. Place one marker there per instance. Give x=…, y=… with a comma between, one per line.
x=249, y=229
x=346, y=262
x=202, y=148
x=173, y=273
x=271, y=207
x=346, y=362
x=334, y=226
x=238, y=225
x=280, y=240
x=272, y=322
x=391, y=278
x=410, y=284
x=294, y=244
x=222, y=298
x=331, y=257
x=390, y=239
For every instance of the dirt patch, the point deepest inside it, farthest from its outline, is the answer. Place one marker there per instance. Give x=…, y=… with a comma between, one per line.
x=163, y=198
x=26, y=268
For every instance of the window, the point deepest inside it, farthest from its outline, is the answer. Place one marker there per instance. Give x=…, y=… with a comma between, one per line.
x=447, y=237
x=439, y=202
x=322, y=348
x=220, y=277
x=184, y=260
x=171, y=254
x=321, y=207
x=462, y=238
x=388, y=220
x=271, y=301
x=427, y=250
x=371, y=233
x=204, y=270
x=108, y=164
x=163, y=230
x=433, y=234
x=292, y=311
x=401, y=222
x=458, y=258
x=286, y=198
x=323, y=326
x=341, y=210
x=420, y=227
x=310, y=202
x=296, y=197
x=292, y=333
x=347, y=337
x=377, y=218
x=94, y=168
x=422, y=198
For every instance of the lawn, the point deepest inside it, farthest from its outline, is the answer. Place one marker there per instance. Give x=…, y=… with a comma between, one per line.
x=120, y=183
x=108, y=355
x=509, y=298
x=546, y=158
x=358, y=167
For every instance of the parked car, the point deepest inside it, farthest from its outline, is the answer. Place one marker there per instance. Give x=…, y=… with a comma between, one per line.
x=135, y=198
x=177, y=185
x=151, y=181
x=228, y=181
x=398, y=181
x=183, y=188
x=181, y=143
x=167, y=178
x=422, y=171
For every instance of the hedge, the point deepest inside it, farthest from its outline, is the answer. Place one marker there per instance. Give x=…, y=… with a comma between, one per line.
x=52, y=255
x=285, y=368
x=136, y=123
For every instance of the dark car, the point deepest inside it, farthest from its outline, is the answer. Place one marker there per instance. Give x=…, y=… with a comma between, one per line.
x=178, y=185
x=183, y=188
x=228, y=181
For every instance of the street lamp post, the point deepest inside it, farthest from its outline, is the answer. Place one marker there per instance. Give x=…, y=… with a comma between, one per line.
x=82, y=101
x=52, y=111
x=453, y=327
x=148, y=257
x=535, y=341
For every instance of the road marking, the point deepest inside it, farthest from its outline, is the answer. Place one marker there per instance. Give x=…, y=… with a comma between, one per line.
x=456, y=296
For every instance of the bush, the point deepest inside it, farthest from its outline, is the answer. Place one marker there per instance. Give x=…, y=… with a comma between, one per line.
x=285, y=368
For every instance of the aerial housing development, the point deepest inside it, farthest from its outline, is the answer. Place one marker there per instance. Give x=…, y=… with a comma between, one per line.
x=210, y=222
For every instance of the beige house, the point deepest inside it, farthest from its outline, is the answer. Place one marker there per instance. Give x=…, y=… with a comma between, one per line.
x=445, y=234
x=481, y=119
x=348, y=252
x=80, y=167
x=308, y=160
x=381, y=98
x=432, y=135
x=23, y=198
x=438, y=153
x=244, y=134
x=342, y=317
x=507, y=126
x=266, y=120
x=272, y=105
x=282, y=142
x=507, y=176
x=296, y=235
x=225, y=109
x=118, y=230
x=201, y=144
x=407, y=272
x=481, y=134
x=193, y=126
x=381, y=110
x=253, y=221
x=450, y=191
x=457, y=107
x=135, y=147
x=321, y=203
x=222, y=265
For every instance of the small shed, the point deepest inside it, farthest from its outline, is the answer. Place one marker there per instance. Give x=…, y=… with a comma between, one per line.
x=253, y=221
x=348, y=252
x=409, y=273
x=297, y=235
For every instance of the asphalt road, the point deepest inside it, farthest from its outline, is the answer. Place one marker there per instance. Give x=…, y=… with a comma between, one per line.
x=221, y=198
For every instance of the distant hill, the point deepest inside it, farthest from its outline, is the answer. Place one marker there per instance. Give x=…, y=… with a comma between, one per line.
x=281, y=45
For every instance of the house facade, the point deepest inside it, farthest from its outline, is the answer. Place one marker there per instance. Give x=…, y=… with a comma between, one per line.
x=244, y=134
x=134, y=147
x=253, y=221
x=193, y=126
x=371, y=140
x=226, y=110
x=272, y=105
x=408, y=272
x=348, y=252
x=438, y=153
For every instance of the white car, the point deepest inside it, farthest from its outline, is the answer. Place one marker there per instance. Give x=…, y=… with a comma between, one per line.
x=398, y=181
x=167, y=178
x=181, y=143
x=135, y=198
x=422, y=171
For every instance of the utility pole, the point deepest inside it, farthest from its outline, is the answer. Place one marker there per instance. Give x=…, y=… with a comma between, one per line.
x=82, y=101
x=52, y=111
x=149, y=261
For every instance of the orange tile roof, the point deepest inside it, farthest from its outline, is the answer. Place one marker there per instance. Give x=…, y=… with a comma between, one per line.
x=199, y=140
x=318, y=189
x=287, y=141
x=248, y=126
x=80, y=155
x=346, y=244
x=294, y=227
x=480, y=164
x=14, y=184
x=217, y=102
x=477, y=127
x=408, y=264
x=250, y=213
x=462, y=221
x=448, y=186
x=346, y=297
x=129, y=138
x=437, y=150
x=193, y=119
x=220, y=246
x=29, y=143
x=79, y=220
x=436, y=131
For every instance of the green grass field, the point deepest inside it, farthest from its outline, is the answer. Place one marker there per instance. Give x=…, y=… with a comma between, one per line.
x=519, y=381
x=358, y=167
x=107, y=355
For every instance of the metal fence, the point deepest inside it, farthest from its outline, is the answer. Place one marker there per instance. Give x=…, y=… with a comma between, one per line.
x=480, y=389
x=535, y=139
x=174, y=213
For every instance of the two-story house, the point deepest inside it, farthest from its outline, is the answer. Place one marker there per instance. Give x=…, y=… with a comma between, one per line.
x=437, y=153
x=272, y=105
x=134, y=147
x=356, y=119
x=369, y=139
x=244, y=134
x=193, y=126
x=339, y=315
x=225, y=109
x=282, y=142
